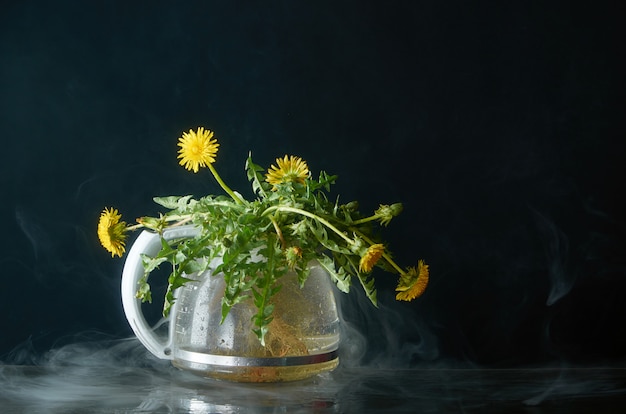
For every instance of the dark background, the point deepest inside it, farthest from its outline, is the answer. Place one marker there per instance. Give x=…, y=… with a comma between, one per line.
x=500, y=125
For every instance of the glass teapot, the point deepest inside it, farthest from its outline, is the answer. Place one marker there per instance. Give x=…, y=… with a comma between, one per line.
x=302, y=340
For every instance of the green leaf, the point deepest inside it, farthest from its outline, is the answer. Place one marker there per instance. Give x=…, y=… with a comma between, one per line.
x=195, y=266
x=253, y=172
x=275, y=290
x=341, y=278
x=143, y=292
x=260, y=333
x=319, y=231
x=151, y=263
x=368, y=287
x=326, y=180
x=228, y=304
x=303, y=274
x=265, y=287
x=172, y=202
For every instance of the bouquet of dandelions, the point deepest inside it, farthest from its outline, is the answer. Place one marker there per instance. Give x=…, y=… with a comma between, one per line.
x=289, y=223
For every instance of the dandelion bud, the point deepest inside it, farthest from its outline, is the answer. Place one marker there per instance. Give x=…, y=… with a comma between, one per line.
x=352, y=206
x=387, y=212
x=293, y=254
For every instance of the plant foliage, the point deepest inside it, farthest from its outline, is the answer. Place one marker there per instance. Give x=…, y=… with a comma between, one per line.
x=290, y=222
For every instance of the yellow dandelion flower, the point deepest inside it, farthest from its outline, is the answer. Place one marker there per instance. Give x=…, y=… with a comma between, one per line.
x=290, y=169
x=197, y=149
x=371, y=257
x=112, y=232
x=414, y=283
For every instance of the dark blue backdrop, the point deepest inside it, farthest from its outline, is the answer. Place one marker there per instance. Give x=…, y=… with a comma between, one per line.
x=500, y=127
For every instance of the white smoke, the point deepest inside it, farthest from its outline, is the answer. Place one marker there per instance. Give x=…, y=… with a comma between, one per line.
x=556, y=248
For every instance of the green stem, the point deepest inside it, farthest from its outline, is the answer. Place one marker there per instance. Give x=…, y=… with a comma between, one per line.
x=278, y=232
x=311, y=215
x=182, y=219
x=366, y=219
x=134, y=227
x=222, y=184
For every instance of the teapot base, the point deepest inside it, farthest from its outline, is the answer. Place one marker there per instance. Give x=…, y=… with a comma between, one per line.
x=257, y=374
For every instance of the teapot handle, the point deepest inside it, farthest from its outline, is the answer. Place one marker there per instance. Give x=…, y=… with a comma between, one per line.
x=147, y=243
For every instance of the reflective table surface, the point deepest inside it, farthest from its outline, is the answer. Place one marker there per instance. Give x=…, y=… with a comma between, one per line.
x=163, y=389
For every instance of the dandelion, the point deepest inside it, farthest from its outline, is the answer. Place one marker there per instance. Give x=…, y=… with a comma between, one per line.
x=290, y=169
x=371, y=257
x=112, y=232
x=293, y=255
x=413, y=283
x=384, y=213
x=197, y=149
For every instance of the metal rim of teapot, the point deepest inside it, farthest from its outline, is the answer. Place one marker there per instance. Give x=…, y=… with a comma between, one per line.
x=237, y=361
